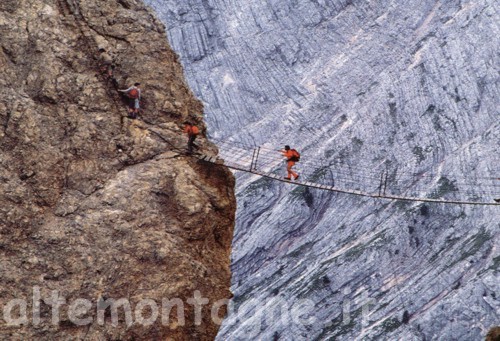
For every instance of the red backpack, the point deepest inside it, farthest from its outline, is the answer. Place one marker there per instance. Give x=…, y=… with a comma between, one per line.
x=133, y=93
x=295, y=155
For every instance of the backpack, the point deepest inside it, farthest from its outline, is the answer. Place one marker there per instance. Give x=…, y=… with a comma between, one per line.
x=133, y=93
x=295, y=155
x=195, y=130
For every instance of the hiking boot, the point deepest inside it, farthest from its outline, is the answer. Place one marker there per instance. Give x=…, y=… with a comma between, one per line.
x=287, y=178
x=296, y=177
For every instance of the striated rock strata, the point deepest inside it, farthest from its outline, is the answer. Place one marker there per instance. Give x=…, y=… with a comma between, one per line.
x=358, y=87
x=93, y=205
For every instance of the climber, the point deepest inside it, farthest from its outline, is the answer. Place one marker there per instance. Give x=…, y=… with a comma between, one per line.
x=192, y=132
x=134, y=95
x=292, y=156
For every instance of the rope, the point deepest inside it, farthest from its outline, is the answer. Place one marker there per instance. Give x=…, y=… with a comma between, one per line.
x=390, y=186
x=428, y=187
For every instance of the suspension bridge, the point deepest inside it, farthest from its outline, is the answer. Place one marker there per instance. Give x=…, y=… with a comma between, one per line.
x=379, y=183
x=364, y=180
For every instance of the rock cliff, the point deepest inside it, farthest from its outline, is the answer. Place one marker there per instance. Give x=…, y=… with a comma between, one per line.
x=358, y=87
x=94, y=206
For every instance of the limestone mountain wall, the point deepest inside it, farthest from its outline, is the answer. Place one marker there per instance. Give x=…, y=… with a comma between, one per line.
x=94, y=205
x=358, y=87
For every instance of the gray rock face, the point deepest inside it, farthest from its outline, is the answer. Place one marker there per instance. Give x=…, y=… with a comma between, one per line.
x=359, y=87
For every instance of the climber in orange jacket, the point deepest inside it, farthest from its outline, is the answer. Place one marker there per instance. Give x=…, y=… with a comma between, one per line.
x=292, y=156
x=192, y=132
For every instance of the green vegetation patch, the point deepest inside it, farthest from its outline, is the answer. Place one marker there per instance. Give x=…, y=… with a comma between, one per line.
x=419, y=153
x=390, y=325
x=303, y=192
x=355, y=252
x=473, y=244
x=338, y=327
x=298, y=192
x=357, y=144
x=318, y=174
x=445, y=186
x=496, y=264
x=299, y=252
x=259, y=184
x=402, y=204
x=378, y=241
x=448, y=246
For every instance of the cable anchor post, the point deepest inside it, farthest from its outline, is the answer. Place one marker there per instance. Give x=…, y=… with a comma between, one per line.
x=253, y=158
x=256, y=159
x=385, y=182
x=381, y=184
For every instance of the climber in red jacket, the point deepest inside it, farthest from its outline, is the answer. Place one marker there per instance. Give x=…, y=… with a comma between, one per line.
x=192, y=132
x=292, y=156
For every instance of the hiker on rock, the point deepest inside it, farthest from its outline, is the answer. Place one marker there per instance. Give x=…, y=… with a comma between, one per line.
x=192, y=132
x=292, y=156
x=134, y=95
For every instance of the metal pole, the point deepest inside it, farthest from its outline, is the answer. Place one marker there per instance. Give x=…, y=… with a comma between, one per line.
x=385, y=182
x=331, y=175
x=256, y=158
x=381, y=183
x=253, y=157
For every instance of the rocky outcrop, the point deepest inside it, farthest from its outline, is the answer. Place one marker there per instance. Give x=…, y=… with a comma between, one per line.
x=358, y=87
x=94, y=206
x=493, y=334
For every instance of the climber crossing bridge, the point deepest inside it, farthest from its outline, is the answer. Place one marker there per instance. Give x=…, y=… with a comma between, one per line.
x=419, y=187
x=361, y=180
